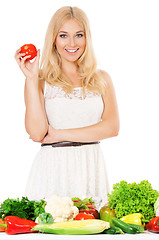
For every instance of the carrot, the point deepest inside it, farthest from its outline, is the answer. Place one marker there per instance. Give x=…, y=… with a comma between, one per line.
x=2, y=229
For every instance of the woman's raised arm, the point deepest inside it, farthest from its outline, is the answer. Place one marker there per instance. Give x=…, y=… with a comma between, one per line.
x=36, y=123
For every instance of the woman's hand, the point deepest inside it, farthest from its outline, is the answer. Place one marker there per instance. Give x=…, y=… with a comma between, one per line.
x=29, y=69
x=52, y=136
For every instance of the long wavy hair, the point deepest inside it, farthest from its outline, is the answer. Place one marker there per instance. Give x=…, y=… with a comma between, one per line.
x=50, y=67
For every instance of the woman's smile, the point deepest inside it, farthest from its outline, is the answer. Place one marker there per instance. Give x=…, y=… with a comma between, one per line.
x=72, y=51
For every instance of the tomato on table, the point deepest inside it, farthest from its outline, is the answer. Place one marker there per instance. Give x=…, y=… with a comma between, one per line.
x=84, y=216
x=29, y=49
x=91, y=211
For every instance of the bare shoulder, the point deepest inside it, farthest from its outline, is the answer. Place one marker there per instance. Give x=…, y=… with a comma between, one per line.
x=109, y=89
x=106, y=77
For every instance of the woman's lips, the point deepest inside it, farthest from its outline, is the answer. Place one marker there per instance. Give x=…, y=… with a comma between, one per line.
x=71, y=51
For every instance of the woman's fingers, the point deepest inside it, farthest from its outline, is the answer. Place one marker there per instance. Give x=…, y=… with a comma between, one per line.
x=23, y=59
x=17, y=52
x=19, y=56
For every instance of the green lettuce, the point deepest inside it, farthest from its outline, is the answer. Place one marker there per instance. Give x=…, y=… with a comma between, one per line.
x=127, y=198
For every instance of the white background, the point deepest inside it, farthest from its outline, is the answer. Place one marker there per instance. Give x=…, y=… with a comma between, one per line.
x=126, y=42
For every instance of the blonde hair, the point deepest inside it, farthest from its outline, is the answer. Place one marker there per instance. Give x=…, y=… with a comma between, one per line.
x=50, y=68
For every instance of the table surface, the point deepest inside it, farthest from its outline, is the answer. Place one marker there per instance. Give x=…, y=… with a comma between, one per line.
x=42, y=236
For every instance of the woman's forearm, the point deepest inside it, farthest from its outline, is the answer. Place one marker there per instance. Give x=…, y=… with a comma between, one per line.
x=96, y=132
x=36, y=123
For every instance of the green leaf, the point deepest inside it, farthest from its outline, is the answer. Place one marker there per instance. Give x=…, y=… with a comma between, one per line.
x=82, y=203
x=45, y=218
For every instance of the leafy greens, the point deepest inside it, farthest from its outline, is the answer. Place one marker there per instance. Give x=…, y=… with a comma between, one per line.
x=127, y=198
x=23, y=208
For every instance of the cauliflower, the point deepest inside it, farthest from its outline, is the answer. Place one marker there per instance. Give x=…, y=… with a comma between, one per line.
x=61, y=208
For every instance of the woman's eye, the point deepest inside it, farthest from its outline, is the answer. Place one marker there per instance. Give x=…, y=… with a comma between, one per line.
x=63, y=35
x=79, y=35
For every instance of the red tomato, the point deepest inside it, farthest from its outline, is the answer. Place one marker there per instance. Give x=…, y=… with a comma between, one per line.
x=91, y=211
x=29, y=49
x=84, y=216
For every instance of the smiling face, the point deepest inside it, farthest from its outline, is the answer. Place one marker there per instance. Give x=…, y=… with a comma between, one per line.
x=70, y=41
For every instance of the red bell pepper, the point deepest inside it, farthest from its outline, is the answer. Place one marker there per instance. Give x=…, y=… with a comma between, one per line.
x=14, y=225
x=153, y=225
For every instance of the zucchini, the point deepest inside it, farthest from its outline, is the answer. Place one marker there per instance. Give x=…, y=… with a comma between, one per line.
x=124, y=226
x=113, y=230
x=138, y=228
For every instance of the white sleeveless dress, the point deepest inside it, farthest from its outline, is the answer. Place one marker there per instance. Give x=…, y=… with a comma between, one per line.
x=69, y=171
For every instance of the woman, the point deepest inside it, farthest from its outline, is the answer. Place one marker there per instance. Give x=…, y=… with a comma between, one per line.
x=70, y=107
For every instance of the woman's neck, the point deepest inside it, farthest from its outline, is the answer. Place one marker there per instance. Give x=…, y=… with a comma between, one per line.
x=70, y=69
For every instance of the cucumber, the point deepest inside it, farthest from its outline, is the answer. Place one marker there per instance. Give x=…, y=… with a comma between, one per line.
x=113, y=230
x=138, y=228
x=124, y=226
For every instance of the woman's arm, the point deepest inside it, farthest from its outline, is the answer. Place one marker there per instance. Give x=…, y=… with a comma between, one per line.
x=108, y=127
x=36, y=123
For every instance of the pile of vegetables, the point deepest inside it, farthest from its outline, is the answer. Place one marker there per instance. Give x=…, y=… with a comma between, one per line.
x=54, y=215
x=131, y=209
x=127, y=198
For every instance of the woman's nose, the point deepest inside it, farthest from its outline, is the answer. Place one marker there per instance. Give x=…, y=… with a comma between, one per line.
x=72, y=42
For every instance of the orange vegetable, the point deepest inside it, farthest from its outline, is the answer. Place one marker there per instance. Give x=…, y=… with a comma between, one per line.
x=2, y=229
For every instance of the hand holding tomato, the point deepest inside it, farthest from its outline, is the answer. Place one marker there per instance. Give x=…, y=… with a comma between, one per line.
x=29, y=50
x=23, y=55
